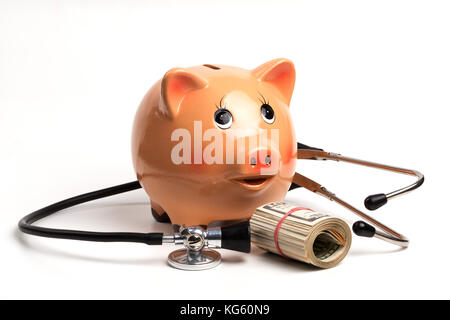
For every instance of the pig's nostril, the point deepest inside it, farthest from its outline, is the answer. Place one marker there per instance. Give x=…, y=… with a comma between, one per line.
x=268, y=160
x=253, y=161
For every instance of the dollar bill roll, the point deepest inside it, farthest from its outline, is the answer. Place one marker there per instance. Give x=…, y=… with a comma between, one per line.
x=301, y=234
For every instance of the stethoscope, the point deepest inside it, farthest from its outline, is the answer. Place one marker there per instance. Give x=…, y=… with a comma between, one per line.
x=199, y=240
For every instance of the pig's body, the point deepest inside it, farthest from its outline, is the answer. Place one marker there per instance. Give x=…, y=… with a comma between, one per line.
x=196, y=191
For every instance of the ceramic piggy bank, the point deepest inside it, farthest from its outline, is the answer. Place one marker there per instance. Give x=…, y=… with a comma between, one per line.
x=213, y=142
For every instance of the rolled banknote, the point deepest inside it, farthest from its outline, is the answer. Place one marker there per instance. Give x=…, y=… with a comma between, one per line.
x=301, y=234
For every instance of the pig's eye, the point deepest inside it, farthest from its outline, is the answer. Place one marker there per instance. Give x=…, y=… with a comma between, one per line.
x=223, y=118
x=267, y=113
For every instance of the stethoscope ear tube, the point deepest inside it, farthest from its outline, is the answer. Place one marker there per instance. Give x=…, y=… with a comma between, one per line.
x=373, y=202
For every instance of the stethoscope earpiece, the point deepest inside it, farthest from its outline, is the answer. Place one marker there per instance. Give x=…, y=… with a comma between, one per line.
x=362, y=229
x=375, y=201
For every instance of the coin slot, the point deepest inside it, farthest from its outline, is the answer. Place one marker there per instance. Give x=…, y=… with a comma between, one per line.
x=211, y=66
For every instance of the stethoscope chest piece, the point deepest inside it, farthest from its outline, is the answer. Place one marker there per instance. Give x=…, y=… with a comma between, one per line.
x=198, y=241
x=186, y=259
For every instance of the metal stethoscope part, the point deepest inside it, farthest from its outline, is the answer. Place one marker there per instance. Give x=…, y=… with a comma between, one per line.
x=372, y=202
x=197, y=241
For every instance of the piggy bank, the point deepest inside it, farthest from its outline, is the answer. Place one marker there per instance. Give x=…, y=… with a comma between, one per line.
x=214, y=142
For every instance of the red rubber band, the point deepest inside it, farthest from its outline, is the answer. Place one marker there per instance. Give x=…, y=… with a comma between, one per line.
x=277, y=228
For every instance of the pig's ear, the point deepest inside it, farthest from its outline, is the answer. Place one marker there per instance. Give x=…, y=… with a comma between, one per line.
x=280, y=73
x=175, y=84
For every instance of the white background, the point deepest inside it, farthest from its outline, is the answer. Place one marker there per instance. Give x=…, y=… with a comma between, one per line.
x=373, y=80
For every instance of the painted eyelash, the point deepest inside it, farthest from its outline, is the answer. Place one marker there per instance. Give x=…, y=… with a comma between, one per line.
x=263, y=101
x=220, y=106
